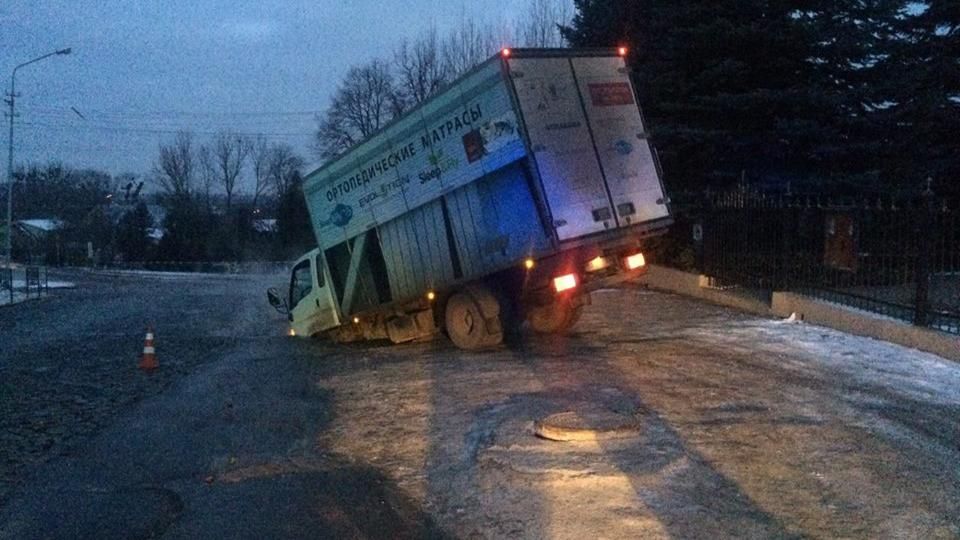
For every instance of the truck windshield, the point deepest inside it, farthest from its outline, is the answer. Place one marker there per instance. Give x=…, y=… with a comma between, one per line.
x=301, y=282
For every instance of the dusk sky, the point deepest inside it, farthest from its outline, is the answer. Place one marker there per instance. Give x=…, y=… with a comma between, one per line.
x=142, y=70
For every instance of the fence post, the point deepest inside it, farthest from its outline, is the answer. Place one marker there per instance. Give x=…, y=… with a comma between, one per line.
x=924, y=222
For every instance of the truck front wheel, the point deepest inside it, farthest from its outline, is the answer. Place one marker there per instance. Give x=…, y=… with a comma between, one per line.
x=472, y=319
x=555, y=318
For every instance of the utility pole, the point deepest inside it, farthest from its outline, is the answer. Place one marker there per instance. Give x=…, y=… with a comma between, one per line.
x=12, y=101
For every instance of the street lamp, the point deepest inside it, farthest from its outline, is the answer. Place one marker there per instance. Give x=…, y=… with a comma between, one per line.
x=11, y=102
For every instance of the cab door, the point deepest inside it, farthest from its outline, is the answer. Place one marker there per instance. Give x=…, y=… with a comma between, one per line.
x=312, y=308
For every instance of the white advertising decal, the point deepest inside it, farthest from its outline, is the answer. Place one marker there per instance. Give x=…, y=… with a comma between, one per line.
x=620, y=139
x=464, y=133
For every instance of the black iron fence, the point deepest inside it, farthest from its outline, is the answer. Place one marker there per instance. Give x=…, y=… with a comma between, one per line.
x=897, y=258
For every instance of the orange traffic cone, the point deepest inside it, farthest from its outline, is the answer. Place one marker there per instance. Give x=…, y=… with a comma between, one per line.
x=149, y=360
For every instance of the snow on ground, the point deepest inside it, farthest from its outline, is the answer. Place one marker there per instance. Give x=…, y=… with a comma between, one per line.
x=919, y=374
x=52, y=284
x=162, y=274
x=804, y=346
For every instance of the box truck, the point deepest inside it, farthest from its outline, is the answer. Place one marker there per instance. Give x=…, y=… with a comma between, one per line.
x=506, y=197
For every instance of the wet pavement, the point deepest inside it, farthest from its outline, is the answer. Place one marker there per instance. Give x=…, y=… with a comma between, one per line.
x=747, y=427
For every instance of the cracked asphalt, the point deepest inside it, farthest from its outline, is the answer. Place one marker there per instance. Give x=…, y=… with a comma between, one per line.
x=748, y=427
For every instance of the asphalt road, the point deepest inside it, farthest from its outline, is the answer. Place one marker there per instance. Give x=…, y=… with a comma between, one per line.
x=748, y=427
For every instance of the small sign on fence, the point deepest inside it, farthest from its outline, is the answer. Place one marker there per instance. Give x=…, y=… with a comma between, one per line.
x=697, y=232
x=840, y=243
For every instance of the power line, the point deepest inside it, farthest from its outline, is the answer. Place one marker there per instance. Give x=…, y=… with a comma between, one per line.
x=124, y=129
x=141, y=113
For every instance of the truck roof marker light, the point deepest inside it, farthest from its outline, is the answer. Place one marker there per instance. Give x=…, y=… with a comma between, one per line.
x=635, y=261
x=622, y=51
x=431, y=296
x=529, y=264
x=565, y=282
x=505, y=52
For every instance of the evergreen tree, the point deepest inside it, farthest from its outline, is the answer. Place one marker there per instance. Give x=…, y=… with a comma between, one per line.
x=186, y=230
x=850, y=42
x=773, y=90
x=924, y=89
x=293, y=221
x=132, y=233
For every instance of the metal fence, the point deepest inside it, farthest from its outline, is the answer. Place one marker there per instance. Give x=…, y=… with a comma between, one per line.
x=27, y=281
x=6, y=282
x=36, y=279
x=896, y=258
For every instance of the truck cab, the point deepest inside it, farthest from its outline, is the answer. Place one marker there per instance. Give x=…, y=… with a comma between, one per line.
x=309, y=302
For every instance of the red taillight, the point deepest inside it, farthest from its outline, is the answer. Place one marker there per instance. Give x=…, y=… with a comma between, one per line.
x=622, y=51
x=565, y=282
x=635, y=261
x=505, y=52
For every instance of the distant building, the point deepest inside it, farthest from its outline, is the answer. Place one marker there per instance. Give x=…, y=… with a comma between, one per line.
x=37, y=239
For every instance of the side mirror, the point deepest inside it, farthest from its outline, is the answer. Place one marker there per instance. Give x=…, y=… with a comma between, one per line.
x=277, y=301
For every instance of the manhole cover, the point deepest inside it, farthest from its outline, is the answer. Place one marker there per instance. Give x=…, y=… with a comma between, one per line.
x=590, y=425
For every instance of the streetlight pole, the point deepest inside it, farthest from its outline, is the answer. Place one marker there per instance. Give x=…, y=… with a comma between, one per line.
x=11, y=102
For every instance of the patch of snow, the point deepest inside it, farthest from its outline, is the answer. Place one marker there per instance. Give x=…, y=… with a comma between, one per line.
x=52, y=284
x=160, y=274
x=45, y=225
x=920, y=375
x=792, y=318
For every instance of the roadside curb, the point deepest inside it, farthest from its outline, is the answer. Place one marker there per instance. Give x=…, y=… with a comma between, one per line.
x=810, y=310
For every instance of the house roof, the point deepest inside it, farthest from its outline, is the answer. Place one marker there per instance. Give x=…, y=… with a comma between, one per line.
x=45, y=225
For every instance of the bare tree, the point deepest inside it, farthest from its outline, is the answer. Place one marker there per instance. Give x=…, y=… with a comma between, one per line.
x=364, y=102
x=471, y=44
x=175, y=168
x=420, y=67
x=283, y=164
x=541, y=24
x=206, y=170
x=259, y=163
x=229, y=152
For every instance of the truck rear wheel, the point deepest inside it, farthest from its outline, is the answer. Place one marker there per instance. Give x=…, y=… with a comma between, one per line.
x=556, y=318
x=472, y=319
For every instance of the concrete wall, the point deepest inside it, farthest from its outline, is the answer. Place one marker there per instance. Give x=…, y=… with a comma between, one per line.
x=698, y=286
x=810, y=310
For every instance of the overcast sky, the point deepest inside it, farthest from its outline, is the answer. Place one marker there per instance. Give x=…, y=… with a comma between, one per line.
x=141, y=70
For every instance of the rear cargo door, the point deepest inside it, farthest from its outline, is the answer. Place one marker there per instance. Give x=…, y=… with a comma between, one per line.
x=621, y=141
x=560, y=140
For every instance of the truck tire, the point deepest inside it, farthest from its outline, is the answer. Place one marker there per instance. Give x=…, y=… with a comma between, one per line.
x=556, y=318
x=472, y=319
